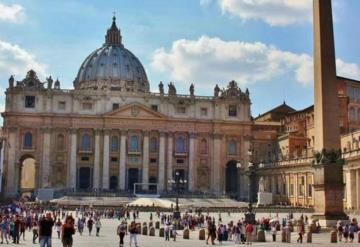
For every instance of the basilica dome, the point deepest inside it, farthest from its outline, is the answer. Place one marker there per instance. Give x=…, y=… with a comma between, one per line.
x=112, y=67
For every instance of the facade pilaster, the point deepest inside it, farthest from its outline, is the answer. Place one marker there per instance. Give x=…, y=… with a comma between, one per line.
x=161, y=179
x=73, y=153
x=105, y=173
x=357, y=182
x=96, y=173
x=192, y=152
x=217, y=163
x=170, y=158
x=122, y=169
x=145, y=167
x=11, y=185
x=45, y=164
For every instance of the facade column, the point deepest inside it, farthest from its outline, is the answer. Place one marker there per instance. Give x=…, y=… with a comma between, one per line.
x=287, y=192
x=351, y=189
x=122, y=168
x=11, y=185
x=217, y=163
x=105, y=173
x=306, y=190
x=73, y=152
x=96, y=172
x=296, y=188
x=45, y=164
x=191, y=177
x=170, y=159
x=145, y=168
x=161, y=172
x=357, y=182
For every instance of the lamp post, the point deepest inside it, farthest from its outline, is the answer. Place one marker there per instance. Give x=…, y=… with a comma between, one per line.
x=177, y=181
x=250, y=215
x=238, y=167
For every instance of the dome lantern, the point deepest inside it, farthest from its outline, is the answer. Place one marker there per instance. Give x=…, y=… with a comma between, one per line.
x=113, y=34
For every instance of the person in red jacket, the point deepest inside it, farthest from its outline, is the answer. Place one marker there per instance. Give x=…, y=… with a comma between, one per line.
x=249, y=230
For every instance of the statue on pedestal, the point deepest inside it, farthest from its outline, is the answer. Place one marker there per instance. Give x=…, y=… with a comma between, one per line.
x=11, y=81
x=192, y=89
x=161, y=88
x=216, y=91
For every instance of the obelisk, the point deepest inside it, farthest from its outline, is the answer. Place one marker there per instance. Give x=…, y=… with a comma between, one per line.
x=328, y=173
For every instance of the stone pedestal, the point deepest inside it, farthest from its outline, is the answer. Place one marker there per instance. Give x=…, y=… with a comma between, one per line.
x=329, y=194
x=264, y=198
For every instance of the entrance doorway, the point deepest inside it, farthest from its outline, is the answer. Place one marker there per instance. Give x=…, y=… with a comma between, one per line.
x=133, y=177
x=84, y=178
x=28, y=175
x=232, y=179
x=113, y=182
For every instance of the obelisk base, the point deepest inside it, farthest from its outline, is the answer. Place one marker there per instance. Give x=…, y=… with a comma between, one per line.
x=329, y=194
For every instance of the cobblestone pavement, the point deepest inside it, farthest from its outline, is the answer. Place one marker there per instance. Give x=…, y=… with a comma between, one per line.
x=108, y=237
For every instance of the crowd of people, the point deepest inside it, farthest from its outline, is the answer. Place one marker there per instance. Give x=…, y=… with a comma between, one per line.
x=18, y=221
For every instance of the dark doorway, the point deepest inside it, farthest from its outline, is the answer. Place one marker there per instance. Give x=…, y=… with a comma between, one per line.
x=133, y=177
x=113, y=182
x=232, y=179
x=152, y=188
x=84, y=178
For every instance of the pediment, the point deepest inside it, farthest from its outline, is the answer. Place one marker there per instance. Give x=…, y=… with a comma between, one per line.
x=135, y=110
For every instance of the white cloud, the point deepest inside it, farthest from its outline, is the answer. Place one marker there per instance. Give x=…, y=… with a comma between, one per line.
x=14, y=60
x=211, y=60
x=11, y=13
x=205, y=2
x=273, y=12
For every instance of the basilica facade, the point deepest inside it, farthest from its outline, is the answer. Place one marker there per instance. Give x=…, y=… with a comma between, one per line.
x=111, y=132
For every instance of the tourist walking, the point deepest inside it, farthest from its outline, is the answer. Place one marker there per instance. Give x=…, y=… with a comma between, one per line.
x=45, y=230
x=22, y=228
x=68, y=230
x=346, y=233
x=173, y=232
x=4, y=229
x=35, y=230
x=121, y=231
x=98, y=226
x=16, y=230
x=133, y=233
x=249, y=230
x=340, y=231
x=80, y=226
x=211, y=232
x=301, y=231
x=90, y=224
x=273, y=231
x=167, y=232
x=352, y=230
x=58, y=227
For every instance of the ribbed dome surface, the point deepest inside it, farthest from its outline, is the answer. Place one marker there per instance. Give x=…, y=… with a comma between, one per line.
x=112, y=67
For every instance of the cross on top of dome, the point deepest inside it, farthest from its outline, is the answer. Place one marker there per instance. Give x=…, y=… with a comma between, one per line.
x=113, y=35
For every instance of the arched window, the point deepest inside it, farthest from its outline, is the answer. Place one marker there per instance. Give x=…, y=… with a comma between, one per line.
x=358, y=115
x=352, y=113
x=114, y=144
x=153, y=145
x=86, y=142
x=60, y=142
x=28, y=142
x=134, y=144
x=203, y=146
x=180, y=145
x=232, y=149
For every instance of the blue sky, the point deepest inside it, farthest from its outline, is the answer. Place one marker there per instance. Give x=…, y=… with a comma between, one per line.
x=266, y=47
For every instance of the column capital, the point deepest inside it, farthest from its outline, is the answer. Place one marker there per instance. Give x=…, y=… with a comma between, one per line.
x=97, y=131
x=193, y=135
x=124, y=132
x=217, y=135
x=162, y=133
x=146, y=132
x=72, y=130
x=106, y=131
x=12, y=128
x=45, y=129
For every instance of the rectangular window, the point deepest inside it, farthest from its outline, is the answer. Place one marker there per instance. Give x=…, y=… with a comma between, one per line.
x=61, y=105
x=232, y=111
x=152, y=160
x=115, y=106
x=180, y=109
x=29, y=101
x=114, y=159
x=154, y=107
x=310, y=190
x=179, y=161
x=84, y=158
x=87, y=106
x=203, y=112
